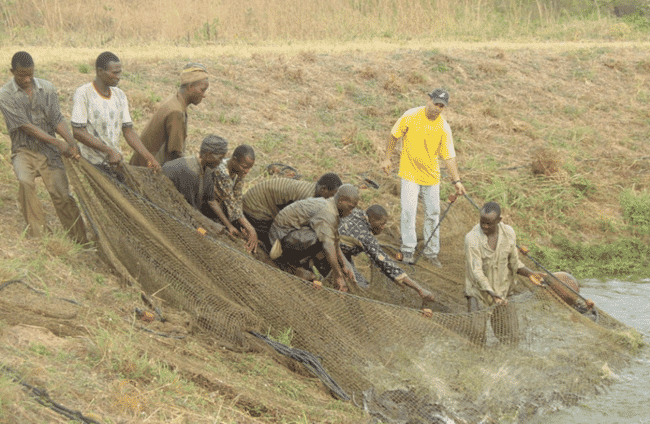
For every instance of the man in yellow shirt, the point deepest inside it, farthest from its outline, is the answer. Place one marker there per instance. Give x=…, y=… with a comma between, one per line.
x=425, y=135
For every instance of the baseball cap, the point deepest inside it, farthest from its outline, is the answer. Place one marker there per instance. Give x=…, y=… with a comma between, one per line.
x=440, y=95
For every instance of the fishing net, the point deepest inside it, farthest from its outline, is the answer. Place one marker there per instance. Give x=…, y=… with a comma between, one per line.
x=383, y=352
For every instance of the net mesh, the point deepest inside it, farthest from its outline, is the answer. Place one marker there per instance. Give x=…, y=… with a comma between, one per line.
x=401, y=365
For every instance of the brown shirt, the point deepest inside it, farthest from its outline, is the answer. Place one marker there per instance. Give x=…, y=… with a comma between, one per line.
x=317, y=213
x=264, y=200
x=165, y=133
x=42, y=110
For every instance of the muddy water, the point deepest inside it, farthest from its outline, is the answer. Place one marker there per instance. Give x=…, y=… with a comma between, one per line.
x=628, y=400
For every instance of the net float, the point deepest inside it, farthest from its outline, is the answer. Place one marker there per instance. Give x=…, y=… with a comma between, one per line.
x=567, y=288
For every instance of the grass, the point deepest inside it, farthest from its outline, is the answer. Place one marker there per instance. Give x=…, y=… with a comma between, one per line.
x=257, y=22
x=283, y=336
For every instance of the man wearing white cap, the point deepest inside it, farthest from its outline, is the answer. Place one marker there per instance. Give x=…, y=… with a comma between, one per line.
x=165, y=134
x=425, y=135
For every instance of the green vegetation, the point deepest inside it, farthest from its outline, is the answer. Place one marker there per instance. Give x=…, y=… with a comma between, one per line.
x=627, y=256
x=636, y=211
x=284, y=336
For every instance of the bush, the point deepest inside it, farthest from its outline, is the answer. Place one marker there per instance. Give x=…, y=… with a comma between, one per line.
x=622, y=258
x=636, y=211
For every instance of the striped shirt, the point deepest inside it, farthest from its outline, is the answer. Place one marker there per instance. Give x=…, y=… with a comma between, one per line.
x=264, y=200
x=42, y=110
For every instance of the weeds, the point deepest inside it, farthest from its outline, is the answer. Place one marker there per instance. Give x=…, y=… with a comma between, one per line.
x=231, y=120
x=271, y=141
x=624, y=257
x=33, y=23
x=636, y=211
x=284, y=336
x=8, y=396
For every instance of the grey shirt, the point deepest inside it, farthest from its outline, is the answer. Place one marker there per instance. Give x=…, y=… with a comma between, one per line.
x=188, y=177
x=321, y=215
x=42, y=110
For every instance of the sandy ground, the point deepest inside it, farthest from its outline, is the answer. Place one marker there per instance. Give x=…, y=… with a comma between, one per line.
x=47, y=54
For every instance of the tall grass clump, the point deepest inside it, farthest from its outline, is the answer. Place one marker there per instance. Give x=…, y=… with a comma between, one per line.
x=626, y=256
x=636, y=211
x=84, y=22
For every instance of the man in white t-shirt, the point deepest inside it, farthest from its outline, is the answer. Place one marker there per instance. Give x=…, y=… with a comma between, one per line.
x=101, y=113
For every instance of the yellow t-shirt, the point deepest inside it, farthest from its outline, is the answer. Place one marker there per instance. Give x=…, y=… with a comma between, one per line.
x=424, y=140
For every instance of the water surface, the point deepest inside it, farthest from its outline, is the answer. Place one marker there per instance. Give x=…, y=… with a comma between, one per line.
x=627, y=401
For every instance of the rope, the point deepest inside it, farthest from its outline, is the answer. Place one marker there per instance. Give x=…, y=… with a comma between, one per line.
x=10, y=282
x=42, y=397
x=309, y=360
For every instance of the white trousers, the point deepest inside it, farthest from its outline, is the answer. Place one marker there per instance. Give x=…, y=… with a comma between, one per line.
x=430, y=196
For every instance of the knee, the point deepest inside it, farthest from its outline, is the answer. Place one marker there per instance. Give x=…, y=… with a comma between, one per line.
x=26, y=183
x=61, y=200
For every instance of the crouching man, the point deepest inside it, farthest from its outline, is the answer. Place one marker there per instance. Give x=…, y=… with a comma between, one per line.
x=193, y=176
x=263, y=201
x=307, y=227
x=358, y=233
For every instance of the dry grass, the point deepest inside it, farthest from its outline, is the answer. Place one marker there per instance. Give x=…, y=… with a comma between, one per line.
x=318, y=112
x=82, y=23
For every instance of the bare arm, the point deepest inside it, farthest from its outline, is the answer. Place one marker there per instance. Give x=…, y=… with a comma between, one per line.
x=83, y=136
x=216, y=207
x=386, y=163
x=41, y=135
x=346, y=266
x=535, y=277
x=251, y=243
x=424, y=294
x=332, y=258
x=134, y=141
x=452, y=167
x=71, y=147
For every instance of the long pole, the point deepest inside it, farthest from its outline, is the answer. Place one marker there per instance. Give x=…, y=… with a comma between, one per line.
x=452, y=199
